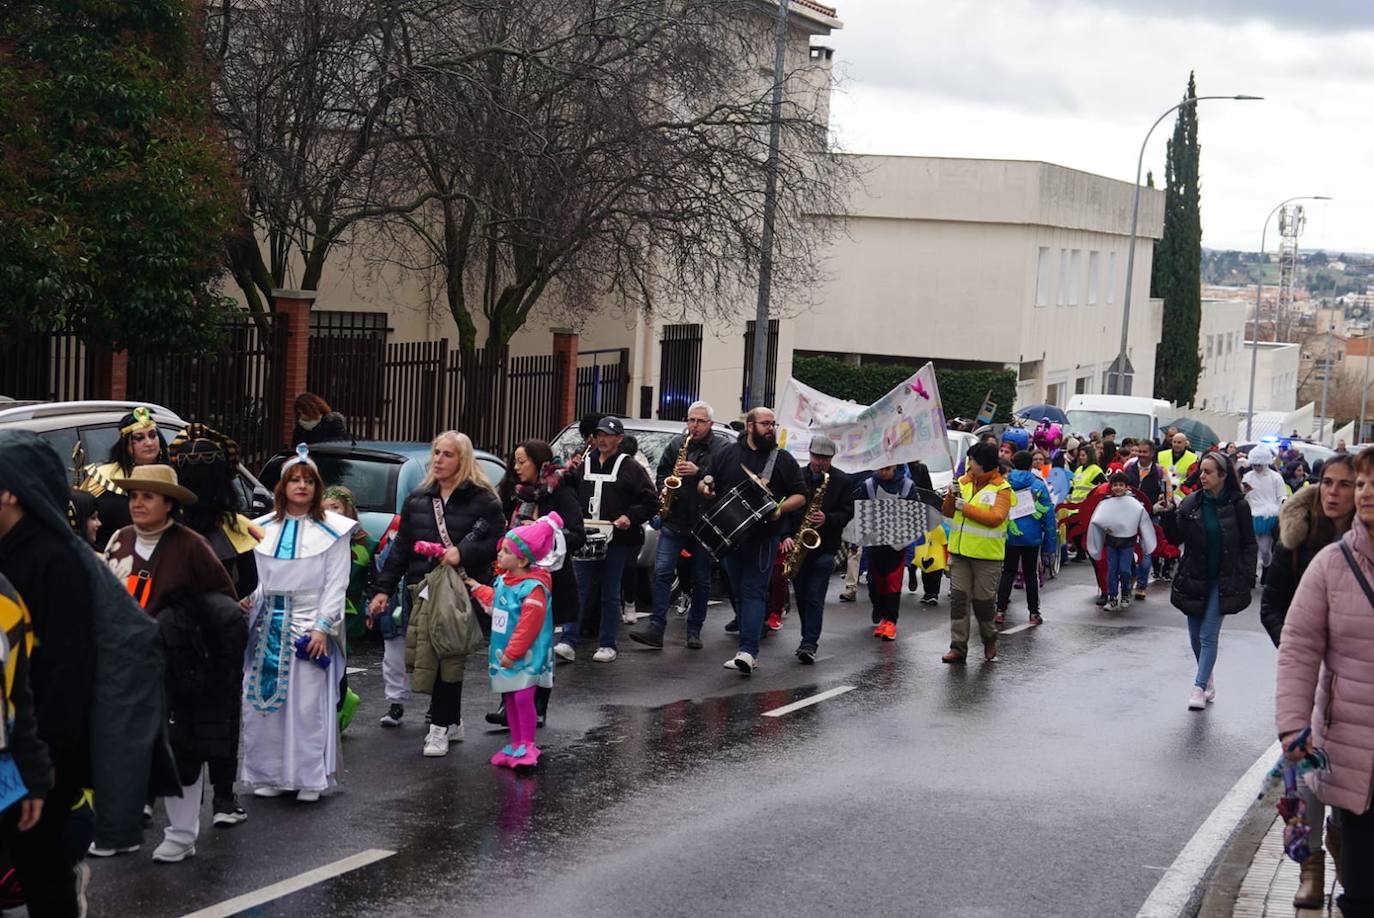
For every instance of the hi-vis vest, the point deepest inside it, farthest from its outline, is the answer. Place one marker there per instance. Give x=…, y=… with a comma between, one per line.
x=1179, y=468
x=1083, y=482
x=974, y=540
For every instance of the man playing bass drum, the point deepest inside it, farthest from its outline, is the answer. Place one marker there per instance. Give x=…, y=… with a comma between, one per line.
x=749, y=562
x=835, y=511
x=694, y=447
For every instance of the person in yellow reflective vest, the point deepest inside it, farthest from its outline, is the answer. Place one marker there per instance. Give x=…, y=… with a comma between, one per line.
x=979, y=505
x=1179, y=459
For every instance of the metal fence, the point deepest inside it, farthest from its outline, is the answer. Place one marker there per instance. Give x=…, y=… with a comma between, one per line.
x=679, y=371
x=770, y=381
x=348, y=355
x=603, y=380
x=46, y=367
x=235, y=389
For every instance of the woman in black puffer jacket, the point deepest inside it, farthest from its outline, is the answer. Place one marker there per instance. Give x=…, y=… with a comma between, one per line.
x=533, y=488
x=472, y=526
x=1216, y=575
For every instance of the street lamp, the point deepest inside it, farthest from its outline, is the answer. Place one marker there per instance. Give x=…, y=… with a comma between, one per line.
x=1259, y=288
x=1118, y=379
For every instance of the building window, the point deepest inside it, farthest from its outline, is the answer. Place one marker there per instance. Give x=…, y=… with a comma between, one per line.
x=1042, y=277
x=1063, y=277
x=1209, y=345
x=1111, y=277
x=1094, y=276
x=1075, y=275
x=1054, y=393
x=1082, y=384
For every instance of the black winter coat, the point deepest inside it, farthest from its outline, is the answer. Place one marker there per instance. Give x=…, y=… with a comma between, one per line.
x=1299, y=540
x=837, y=505
x=332, y=427
x=563, y=501
x=1239, y=556
x=473, y=518
x=203, y=640
x=686, y=509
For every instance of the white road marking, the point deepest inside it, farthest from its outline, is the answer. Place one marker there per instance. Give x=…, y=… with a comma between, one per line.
x=1176, y=892
x=807, y=702
x=353, y=670
x=1021, y=627
x=294, y=884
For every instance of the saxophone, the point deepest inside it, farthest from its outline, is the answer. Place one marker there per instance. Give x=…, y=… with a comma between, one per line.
x=807, y=538
x=672, y=484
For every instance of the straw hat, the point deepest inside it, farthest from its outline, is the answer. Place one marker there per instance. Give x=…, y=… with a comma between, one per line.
x=160, y=479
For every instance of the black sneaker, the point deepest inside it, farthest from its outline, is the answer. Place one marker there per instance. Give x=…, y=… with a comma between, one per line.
x=497, y=718
x=732, y=626
x=694, y=642
x=648, y=635
x=806, y=654
x=930, y=600
x=1101, y=600
x=393, y=715
x=228, y=812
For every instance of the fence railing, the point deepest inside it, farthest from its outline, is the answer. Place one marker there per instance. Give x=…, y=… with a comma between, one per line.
x=46, y=367
x=771, y=370
x=603, y=380
x=679, y=371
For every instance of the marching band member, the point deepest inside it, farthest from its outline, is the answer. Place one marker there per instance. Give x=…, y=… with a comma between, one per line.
x=836, y=509
x=749, y=562
x=683, y=460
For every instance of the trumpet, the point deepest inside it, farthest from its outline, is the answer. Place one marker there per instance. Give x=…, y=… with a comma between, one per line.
x=807, y=539
x=673, y=483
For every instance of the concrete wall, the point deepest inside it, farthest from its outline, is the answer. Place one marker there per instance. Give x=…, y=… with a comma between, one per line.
x=1224, y=382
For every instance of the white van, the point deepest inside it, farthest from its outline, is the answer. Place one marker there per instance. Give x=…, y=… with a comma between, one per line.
x=1129, y=415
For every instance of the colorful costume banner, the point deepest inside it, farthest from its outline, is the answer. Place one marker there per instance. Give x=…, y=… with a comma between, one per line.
x=894, y=523
x=905, y=424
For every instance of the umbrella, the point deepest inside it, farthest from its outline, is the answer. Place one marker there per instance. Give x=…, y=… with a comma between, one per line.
x=1037, y=412
x=1199, y=435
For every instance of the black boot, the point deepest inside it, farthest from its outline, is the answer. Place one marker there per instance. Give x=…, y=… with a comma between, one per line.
x=541, y=703
x=498, y=717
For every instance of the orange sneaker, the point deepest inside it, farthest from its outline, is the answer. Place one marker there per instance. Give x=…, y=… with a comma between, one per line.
x=774, y=621
x=879, y=628
x=887, y=631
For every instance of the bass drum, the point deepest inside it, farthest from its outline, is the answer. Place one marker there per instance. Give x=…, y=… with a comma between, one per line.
x=729, y=521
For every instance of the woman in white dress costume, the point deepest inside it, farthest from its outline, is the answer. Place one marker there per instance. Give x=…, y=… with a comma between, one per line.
x=295, y=640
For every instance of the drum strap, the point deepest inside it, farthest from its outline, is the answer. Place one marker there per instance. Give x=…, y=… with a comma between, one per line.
x=598, y=480
x=767, y=475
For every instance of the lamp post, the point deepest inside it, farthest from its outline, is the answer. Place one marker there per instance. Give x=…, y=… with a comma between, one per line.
x=1326, y=379
x=757, y=381
x=1259, y=288
x=1118, y=378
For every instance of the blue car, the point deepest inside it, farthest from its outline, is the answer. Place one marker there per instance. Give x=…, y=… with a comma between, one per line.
x=380, y=473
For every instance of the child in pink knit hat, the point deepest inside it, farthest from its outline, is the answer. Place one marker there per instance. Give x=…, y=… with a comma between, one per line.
x=521, y=654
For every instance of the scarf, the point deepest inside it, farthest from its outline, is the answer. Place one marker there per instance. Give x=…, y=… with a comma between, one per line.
x=528, y=496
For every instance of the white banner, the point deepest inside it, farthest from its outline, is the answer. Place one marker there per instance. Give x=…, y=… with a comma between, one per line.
x=905, y=424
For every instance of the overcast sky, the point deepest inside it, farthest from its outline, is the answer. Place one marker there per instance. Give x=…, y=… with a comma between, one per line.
x=1078, y=82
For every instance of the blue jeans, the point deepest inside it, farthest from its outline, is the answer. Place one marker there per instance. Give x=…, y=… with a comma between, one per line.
x=1120, y=571
x=810, y=585
x=671, y=541
x=604, y=576
x=749, y=566
x=1142, y=571
x=1204, y=631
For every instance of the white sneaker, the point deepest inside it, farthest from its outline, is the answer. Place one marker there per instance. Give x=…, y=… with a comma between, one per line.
x=1211, y=692
x=268, y=791
x=744, y=662
x=1125, y=602
x=98, y=851
x=436, y=742
x=455, y=732
x=604, y=655
x=564, y=651
x=307, y=796
x=170, y=852
x=1197, y=700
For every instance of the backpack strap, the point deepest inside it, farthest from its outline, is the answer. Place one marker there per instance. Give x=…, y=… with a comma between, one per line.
x=1359, y=574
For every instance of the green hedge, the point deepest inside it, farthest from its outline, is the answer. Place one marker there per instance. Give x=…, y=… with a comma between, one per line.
x=961, y=391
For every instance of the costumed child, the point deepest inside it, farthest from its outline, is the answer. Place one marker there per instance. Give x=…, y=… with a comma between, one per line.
x=339, y=499
x=1265, y=490
x=1118, y=521
x=520, y=658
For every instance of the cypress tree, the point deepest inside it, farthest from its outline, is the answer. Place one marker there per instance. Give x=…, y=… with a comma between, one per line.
x=1176, y=274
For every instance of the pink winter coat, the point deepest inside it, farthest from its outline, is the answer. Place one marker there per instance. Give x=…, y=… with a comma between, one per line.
x=1326, y=670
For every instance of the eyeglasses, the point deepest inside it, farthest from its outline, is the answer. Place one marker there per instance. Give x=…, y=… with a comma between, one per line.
x=698, y=420
x=765, y=423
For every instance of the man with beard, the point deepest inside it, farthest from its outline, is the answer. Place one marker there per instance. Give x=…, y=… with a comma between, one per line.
x=749, y=562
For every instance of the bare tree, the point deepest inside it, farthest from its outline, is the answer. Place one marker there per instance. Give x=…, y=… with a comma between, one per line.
x=612, y=151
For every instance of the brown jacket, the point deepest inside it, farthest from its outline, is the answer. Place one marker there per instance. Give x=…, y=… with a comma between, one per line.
x=182, y=560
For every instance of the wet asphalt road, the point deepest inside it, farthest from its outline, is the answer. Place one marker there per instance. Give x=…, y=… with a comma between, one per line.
x=1061, y=780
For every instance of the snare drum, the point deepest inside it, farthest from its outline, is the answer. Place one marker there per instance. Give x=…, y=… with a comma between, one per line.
x=597, y=544
x=729, y=521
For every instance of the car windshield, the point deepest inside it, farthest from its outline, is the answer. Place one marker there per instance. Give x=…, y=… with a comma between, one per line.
x=372, y=481
x=1126, y=424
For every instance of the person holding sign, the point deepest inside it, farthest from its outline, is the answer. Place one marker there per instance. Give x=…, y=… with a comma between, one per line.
x=979, y=504
x=886, y=563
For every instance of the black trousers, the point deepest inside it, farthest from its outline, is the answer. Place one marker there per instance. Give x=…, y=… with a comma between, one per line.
x=1026, y=557
x=446, y=703
x=40, y=855
x=1357, y=854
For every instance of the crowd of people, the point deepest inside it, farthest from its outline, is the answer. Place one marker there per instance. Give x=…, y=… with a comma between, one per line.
x=147, y=567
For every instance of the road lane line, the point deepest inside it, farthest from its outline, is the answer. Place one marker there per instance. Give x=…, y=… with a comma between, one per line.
x=1180, y=889
x=1021, y=627
x=353, y=670
x=807, y=702
x=294, y=884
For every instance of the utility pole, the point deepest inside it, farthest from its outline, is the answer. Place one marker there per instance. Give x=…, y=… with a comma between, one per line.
x=770, y=206
x=1326, y=379
x=1364, y=390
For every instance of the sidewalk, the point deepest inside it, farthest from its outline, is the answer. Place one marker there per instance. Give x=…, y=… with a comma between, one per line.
x=1272, y=881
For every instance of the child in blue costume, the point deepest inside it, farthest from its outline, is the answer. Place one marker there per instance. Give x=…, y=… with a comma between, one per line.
x=521, y=654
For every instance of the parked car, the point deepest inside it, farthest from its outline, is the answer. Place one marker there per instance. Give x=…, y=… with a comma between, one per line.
x=95, y=424
x=380, y=473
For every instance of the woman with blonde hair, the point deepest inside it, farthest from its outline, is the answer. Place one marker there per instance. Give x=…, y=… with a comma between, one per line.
x=456, y=507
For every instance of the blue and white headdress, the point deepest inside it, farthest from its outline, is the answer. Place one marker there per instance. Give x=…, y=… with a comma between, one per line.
x=302, y=455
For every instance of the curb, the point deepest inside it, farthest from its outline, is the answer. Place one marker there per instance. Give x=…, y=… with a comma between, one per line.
x=1233, y=864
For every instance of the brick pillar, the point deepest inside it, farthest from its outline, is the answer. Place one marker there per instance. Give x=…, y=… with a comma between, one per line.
x=565, y=342
x=111, y=375
x=292, y=309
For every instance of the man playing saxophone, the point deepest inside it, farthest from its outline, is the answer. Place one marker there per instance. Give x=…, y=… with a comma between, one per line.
x=680, y=506
x=812, y=572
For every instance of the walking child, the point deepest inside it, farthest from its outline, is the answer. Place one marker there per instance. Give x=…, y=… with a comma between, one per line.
x=1118, y=522
x=520, y=658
